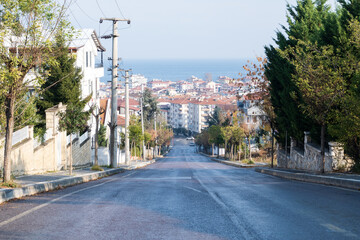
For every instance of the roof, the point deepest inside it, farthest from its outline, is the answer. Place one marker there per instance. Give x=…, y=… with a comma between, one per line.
x=84, y=35
x=120, y=121
x=103, y=104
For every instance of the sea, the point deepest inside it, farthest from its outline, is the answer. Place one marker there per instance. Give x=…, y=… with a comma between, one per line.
x=176, y=70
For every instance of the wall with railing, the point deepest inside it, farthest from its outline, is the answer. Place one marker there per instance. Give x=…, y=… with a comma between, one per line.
x=309, y=157
x=31, y=155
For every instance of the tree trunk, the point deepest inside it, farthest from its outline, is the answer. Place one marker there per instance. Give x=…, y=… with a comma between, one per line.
x=240, y=151
x=70, y=160
x=249, y=148
x=10, y=107
x=272, y=147
x=96, y=162
x=225, y=149
x=245, y=150
x=323, y=148
x=232, y=152
x=212, y=153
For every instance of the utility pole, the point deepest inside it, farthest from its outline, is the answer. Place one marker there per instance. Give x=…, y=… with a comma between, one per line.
x=127, y=116
x=142, y=121
x=155, y=155
x=115, y=65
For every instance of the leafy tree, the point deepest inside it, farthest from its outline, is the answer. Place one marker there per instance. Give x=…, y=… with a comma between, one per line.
x=256, y=72
x=307, y=23
x=102, y=141
x=218, y=117
x=214, y=134
x=238, y=135
x=24, y=45
x=319, y=77
x=147, y=139
x=226, y=133
x=135, y=133
x=74, y=119
x=63, y=84
x=150, y=108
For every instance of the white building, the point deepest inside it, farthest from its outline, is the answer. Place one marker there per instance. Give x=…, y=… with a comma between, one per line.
x=179, y=111
x=86, y=46
x=137, y=80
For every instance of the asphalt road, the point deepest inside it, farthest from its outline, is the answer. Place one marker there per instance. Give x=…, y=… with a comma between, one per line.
x=186, y=196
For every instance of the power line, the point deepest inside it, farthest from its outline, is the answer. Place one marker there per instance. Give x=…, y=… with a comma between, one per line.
x=100, y=8
x=119, y=9
x=92, y=19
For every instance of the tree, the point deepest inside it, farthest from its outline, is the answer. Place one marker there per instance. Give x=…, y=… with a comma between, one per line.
x=147, y=139
x=102, y=141
x=256, y=72
x=149, y=107
x=73, y=120
x=218, y=117
x=307, y=21
x=27, y=30
x=96, y=112
x=238, y=135
x=249, y=131
x=226, y=133
x=214, y=133
x=135, y=132
x=319, y=77
x=63, y=84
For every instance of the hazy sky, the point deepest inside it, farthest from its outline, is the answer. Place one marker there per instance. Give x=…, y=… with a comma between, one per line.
x=185, y=29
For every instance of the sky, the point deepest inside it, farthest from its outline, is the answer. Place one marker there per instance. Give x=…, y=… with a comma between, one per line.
x=185, y=29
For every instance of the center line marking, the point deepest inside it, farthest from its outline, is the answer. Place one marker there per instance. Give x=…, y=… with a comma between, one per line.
x=193, y=189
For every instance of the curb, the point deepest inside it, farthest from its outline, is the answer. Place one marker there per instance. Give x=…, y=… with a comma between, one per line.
x=230, y=163
x=305, y=177
x=9, y=194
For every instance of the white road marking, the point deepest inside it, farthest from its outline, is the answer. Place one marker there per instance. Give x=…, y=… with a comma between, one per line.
x=10, y=220
x=334, y=228
x=193, y=189
x=163, y=178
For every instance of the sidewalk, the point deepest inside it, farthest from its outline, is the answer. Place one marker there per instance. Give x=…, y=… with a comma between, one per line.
x=37, y=183
x=344, y=180
x=234, y=163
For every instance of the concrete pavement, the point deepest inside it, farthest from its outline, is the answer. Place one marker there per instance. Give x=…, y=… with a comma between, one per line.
x=37, y=183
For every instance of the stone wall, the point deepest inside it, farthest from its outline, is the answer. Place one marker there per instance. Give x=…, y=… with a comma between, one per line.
x=310, y=158
x=81, y=152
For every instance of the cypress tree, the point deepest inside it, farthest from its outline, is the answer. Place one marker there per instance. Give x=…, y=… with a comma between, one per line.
x=63, y=83
x=306, y=22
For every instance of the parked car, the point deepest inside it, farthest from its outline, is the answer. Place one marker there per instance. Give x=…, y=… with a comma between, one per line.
x=190, y=138
x=192, y=144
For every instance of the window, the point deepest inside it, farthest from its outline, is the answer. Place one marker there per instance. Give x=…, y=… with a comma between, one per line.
x=87, y=59
x=90, y=59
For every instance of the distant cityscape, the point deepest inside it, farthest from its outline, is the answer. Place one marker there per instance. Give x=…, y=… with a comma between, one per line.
x=186, y=103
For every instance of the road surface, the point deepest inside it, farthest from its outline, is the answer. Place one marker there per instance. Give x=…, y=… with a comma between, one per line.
x=186, y=196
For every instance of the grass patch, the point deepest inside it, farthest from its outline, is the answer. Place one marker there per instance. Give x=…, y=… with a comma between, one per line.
x=250, y=162
x=97, y=168
x=9, y=184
